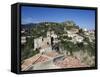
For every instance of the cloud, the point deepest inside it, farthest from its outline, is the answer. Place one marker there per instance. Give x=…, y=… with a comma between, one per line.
x=27, y=20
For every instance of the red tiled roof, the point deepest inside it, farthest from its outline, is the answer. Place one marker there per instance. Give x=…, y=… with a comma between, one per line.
x=33, y=60
x=70, y=62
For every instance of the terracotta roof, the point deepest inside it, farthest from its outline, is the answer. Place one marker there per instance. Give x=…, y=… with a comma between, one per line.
x=52, y=54
x=70, y=62
x=33, y=60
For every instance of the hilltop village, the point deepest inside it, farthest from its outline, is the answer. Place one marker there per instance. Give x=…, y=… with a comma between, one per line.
x=50, y=45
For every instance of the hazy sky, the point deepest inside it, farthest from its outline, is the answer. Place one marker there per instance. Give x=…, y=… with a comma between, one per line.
x=83, y=18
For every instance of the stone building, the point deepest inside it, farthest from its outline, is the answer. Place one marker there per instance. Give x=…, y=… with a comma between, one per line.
x=47, y=43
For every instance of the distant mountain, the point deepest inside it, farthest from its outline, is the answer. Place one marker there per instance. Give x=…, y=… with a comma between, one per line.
x=30, y=25
x=49, y=24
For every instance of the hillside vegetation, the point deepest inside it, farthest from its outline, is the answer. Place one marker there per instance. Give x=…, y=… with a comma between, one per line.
x=86, y=48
